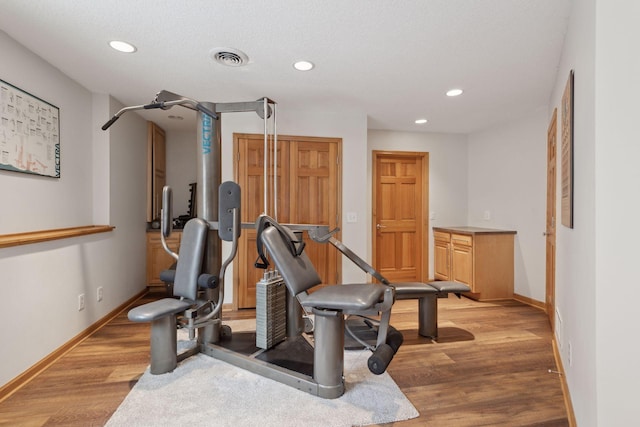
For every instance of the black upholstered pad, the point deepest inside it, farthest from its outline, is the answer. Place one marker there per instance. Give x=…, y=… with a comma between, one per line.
x=345, y=297
x=447, y=286
x=413, y=290
x=157, y=309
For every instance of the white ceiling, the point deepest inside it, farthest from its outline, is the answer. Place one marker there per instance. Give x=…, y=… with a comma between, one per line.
x=390, y=59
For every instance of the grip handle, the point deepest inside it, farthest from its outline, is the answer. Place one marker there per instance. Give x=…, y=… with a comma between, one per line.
x=110, y=122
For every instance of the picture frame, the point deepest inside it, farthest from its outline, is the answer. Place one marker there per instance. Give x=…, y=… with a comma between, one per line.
x=566, y=199
x=29, y=133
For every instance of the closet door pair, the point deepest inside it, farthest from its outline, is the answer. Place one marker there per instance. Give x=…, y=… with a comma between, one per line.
x=308, y=191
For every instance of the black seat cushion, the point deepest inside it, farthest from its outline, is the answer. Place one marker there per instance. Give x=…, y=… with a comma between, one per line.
x=447, y=286
x=413, y=290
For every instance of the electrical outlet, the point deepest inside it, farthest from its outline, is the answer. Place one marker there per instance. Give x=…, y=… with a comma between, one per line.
x=487, y=215
x=80, y=302
x=100, y=294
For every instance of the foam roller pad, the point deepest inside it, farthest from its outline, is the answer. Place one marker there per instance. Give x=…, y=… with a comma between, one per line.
x=394, y=340
x=380, y=359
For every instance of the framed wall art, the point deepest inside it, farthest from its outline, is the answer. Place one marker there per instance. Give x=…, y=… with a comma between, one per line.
x=29, y=133
x=566, y=200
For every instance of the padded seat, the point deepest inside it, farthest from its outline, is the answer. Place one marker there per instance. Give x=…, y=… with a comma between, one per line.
x=157, y=309
x=413, y=290
x=348, y=298
x=448, y=287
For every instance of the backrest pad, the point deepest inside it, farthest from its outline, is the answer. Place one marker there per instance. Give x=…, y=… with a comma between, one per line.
x=192, y=246
x=297, y=271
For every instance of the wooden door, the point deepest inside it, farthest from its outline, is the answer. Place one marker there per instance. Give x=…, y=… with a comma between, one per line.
x=400, y=205
x=550, y=232
x=313, y=184
x=249, y=150
x=309, y=192
x=156, y=169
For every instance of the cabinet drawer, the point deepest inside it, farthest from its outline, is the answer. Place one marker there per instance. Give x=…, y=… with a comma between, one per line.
x=461, y=239
x=439, y=235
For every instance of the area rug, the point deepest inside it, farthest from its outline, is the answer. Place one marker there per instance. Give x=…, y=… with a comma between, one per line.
x=206, y=391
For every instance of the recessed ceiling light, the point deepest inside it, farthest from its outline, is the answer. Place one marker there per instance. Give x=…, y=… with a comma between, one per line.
x=303, y=65
x=121, y=46
x=421, y=121
x=454, y=92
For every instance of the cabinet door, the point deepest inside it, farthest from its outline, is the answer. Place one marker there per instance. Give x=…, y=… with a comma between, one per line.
x=442, y=260
x=462, y=264
x=156, y=170
x=157, y=258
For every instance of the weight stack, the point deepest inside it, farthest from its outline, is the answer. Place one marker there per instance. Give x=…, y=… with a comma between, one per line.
x=271, y=310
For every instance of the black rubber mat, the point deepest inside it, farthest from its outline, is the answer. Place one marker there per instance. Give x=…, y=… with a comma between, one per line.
x=295, y=354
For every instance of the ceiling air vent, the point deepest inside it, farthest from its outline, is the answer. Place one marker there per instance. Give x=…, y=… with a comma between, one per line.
x=229, y=57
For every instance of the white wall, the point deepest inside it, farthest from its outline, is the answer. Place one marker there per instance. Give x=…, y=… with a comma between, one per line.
x=617, y=175
x=181, y=167
x=41, y=282
x=448, y=191
x=596, y=260
x=575, y=248
x=507, y=178
x=36, y=203
x=125, y=259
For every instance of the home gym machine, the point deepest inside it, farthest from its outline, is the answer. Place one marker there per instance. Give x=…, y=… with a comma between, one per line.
x=279, y=349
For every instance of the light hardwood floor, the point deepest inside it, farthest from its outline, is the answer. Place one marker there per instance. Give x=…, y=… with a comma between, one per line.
x=490, y=366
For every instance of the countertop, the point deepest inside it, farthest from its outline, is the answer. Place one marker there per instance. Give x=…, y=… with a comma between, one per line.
x=472, y=230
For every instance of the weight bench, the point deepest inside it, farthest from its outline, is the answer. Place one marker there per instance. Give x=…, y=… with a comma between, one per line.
x=427, y=294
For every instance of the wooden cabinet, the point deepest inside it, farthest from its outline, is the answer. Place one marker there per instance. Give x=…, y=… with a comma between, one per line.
x=157, y=258
x=478, y=257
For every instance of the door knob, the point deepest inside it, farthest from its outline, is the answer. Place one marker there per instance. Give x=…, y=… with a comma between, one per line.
x=378, y=226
